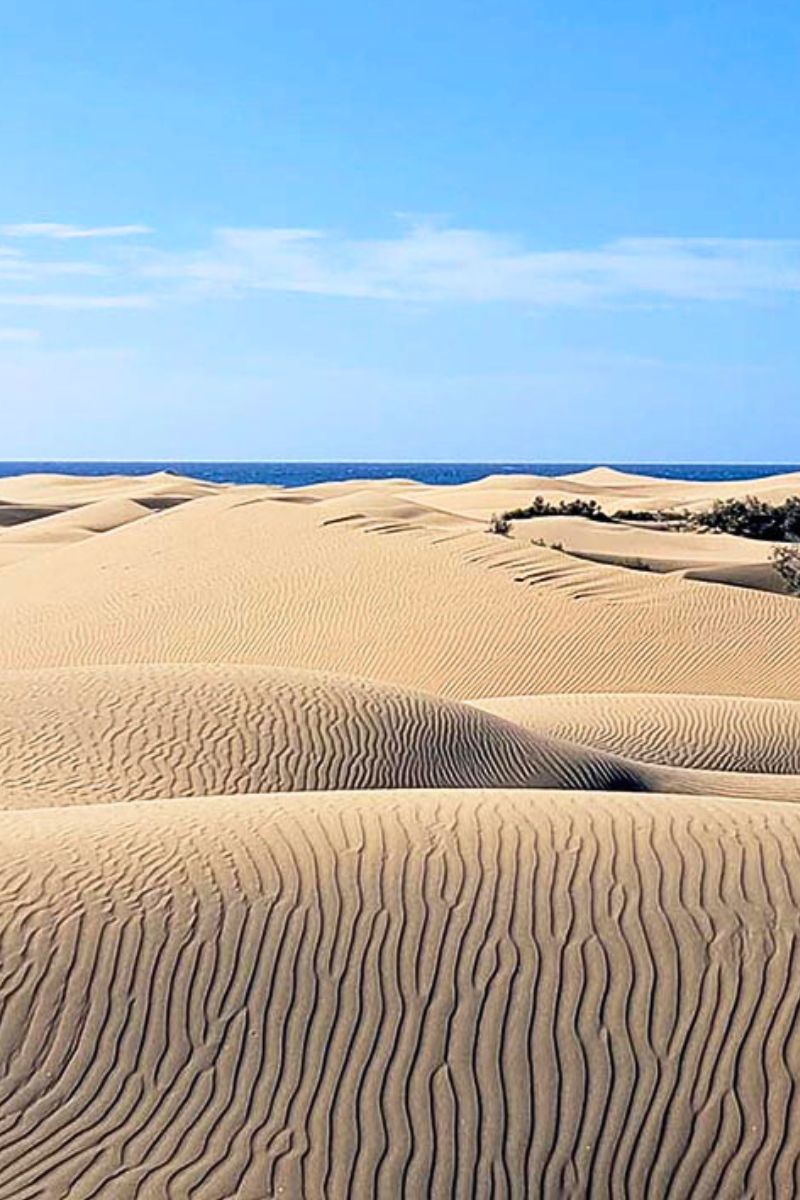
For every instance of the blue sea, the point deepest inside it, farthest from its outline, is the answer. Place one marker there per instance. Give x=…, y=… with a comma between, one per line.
x=299, y=474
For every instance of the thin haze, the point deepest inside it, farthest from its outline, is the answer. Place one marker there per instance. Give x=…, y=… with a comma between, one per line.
x=454, y=231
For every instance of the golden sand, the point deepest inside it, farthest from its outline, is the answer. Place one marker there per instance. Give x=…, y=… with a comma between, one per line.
x=350, y=850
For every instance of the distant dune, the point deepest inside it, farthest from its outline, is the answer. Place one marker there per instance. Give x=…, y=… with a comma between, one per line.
x=348, y=849
x=385, y=584
x=723, y=733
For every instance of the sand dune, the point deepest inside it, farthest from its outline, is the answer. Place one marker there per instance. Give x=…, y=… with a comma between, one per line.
x=638, y=546
x=611, y=488
x=722, y=733
x=49, y=511
x=70, y=525
x=246, y=577
x=281, y=915
x=98, y=735
x=116, y=734
x=400, y=994
x=68, y=491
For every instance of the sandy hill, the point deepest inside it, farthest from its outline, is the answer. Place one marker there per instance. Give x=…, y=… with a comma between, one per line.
x=611, y=488
x=68, y=491
x=400, y=993
x=421, y=601
x=103, y=734
x=42, y=512
x=282, y=915
x=98, y=735
x=723, y=733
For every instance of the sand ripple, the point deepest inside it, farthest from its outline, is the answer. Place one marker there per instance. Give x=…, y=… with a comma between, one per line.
x=400, y=994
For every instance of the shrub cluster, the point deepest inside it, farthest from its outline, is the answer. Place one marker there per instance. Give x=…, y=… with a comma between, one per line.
x=750, y=517
x=649, y=514
x=565, y=508
x=753, y=518
x=499, y=524
x=786, y=561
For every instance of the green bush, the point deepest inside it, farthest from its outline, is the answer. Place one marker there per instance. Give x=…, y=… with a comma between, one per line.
x=499, y=524
x=565, y=508
x=753, y=518
x=786, y=561
x=647, y=514
x=750, y=517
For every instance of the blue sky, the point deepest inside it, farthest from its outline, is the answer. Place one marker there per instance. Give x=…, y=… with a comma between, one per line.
x=457, y=231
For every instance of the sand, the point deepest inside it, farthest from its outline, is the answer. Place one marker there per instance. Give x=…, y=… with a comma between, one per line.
x=350, y=850
x=723, y=733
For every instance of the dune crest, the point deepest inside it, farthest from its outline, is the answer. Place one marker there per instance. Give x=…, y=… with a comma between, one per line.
x=107, y=734
x=720, y=733
x=245, y=576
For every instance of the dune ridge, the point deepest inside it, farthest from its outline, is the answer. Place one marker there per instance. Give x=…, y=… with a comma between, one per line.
x=108, y=734
x=247, y=577
x=722, y=733
x=119, y=734
x=44, y=512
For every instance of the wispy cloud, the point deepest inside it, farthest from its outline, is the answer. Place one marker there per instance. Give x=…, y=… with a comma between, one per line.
x=425, y=262
x=70, y=300
x=37, y=258
x=21, y=268
x=431, y=264
x=60, y=232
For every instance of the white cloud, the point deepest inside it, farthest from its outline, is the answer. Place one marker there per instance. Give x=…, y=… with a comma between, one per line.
x=425, y=262
x=67, y=300
x=53, y=229
x=17, y=267
x=430, y=264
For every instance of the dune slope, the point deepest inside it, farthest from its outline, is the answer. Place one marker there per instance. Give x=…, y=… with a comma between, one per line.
x=720, y=733
x=104, y=734
x=400, y=994
x=281, y=915
x=247, y=577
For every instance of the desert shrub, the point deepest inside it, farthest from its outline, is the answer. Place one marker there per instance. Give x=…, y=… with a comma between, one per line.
x=753, y=518
x=670, y=515
x=565, y=508
x=750, y=517
x=500, y=524
x=636, y=514
x=786, y=561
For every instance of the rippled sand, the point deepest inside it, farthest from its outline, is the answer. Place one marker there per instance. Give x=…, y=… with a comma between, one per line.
x=349, y=850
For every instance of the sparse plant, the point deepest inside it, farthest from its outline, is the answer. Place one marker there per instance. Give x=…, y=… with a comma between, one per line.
x=660, y=516
x=753, y=518
x=637, y=514
x=565, y=508
x=499, y=524
x=786, y=561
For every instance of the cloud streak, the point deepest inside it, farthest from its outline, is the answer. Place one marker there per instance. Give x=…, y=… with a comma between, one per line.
x=60, y=232
x=423, y=263
x=429, y=264
x=74, y=300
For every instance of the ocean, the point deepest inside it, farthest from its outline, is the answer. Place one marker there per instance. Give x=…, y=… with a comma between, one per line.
x=299, y=474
